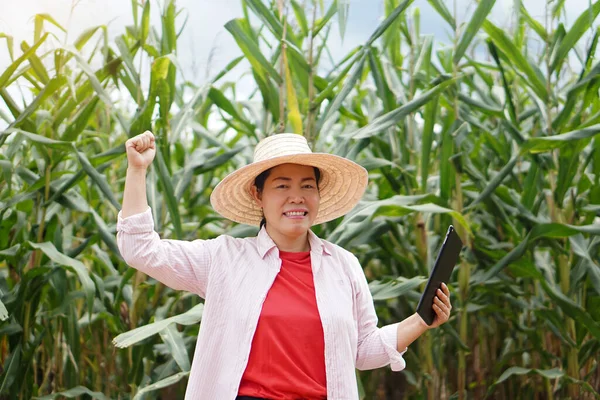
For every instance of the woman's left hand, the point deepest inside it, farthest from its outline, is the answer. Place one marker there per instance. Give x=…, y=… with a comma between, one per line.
x=441, y=306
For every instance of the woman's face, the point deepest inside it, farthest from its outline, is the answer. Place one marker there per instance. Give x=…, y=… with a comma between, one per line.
x=290, y=199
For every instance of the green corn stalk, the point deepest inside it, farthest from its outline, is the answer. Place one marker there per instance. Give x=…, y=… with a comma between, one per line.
x=502, y=145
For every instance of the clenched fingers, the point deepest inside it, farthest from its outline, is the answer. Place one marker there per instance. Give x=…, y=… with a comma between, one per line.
x=142, y=142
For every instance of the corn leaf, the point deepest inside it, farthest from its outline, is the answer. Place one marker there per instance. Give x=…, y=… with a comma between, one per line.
x=404, y=4
x=292, y=100
x=190, y=317
x=97, y=178
x=75, y=265
x=342, y=11
x=380, y=124
x=535, y=79
x=481, y=12
x=442, y=10
x=581, y=24
x=548, y=230
x=3, y=312
x=252, y=51
x=74, y=393
x=547, y=143
x=160, y=384
x=7, y=74
x=174, y=341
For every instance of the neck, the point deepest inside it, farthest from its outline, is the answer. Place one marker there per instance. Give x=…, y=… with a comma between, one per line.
x=289, y=243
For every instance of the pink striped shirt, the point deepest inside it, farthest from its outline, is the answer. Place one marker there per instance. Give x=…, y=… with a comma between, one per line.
x=233, y=276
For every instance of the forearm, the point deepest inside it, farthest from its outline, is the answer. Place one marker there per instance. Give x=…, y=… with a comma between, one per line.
x=409, y=330
x=134, y=196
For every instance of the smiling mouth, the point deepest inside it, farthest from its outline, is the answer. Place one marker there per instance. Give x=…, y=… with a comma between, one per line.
x=296, y=213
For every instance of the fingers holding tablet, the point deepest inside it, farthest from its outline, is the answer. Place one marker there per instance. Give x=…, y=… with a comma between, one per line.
x=441, y=306
x=435, y=300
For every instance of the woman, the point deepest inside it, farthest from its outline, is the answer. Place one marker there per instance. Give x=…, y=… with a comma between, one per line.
x=287, y=315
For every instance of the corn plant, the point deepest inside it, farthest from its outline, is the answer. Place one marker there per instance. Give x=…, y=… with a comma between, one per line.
x=495, y=144
x=493, y=131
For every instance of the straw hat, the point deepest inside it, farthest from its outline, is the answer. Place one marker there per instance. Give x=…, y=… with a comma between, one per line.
x=342, y=183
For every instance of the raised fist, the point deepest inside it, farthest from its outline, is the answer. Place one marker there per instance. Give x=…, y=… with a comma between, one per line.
x=141, y=150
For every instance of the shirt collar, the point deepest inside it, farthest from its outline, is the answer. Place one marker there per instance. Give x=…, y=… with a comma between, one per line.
x=265, y=243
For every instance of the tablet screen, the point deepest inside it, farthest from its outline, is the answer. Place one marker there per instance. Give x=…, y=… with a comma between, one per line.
x=442, y=269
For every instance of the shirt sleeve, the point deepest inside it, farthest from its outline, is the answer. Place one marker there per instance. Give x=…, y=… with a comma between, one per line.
x=179, y=264
x=376, y=346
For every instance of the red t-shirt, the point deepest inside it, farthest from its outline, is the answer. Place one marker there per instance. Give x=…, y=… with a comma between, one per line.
x=287, y=357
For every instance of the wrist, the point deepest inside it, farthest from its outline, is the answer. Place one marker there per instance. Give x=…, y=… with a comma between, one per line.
x=421, y=323
x=138, y=170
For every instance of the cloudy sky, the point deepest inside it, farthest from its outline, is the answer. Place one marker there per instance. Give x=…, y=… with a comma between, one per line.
x=204, y=31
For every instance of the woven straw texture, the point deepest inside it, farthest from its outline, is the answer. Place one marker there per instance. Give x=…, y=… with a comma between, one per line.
x=342, y=183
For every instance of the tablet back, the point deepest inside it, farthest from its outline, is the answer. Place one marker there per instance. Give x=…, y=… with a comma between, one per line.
x=442, y=269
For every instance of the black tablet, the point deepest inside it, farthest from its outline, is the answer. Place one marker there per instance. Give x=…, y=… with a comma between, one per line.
x=442, y=269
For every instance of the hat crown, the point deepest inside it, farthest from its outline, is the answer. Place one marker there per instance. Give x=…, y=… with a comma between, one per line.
x=281, y=144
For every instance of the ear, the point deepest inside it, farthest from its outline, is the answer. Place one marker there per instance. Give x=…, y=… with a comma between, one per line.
x=256, y=195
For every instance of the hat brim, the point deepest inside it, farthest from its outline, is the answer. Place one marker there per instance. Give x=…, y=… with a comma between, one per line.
x=342, y=184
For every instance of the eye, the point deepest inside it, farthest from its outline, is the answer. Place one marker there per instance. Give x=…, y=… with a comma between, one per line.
x=281, y=186
x=309, y=186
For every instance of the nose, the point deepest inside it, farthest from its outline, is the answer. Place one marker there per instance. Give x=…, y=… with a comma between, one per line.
x=296, y=197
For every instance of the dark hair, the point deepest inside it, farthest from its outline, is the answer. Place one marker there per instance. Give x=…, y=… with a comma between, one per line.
x=260, y=180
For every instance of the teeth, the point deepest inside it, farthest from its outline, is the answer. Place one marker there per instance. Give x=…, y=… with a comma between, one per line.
x=294, y=213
